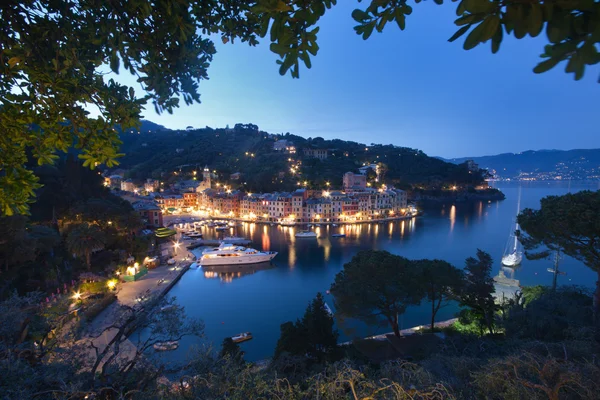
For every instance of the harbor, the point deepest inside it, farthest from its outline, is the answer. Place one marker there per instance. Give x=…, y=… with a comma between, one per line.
x=259, y=298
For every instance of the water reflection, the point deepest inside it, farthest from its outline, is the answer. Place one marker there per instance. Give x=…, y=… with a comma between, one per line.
x=266, y=241
x=292, y=256
x=452, y=217
x=227, y=273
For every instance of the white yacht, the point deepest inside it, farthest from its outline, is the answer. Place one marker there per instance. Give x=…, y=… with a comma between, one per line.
x=306, y=234
x=230, y=254
x=513, y=254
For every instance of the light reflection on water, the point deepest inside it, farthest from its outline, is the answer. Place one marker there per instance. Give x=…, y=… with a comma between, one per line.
x=259, y=299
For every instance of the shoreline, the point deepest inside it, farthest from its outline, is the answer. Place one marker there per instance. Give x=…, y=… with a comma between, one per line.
x=192, y=217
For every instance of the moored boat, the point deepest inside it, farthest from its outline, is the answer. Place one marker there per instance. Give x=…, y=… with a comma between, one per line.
x=513, y=255
x=166, y=346
x=230, y=254
x=306, y=234
x=338, y=235
x=242, y=337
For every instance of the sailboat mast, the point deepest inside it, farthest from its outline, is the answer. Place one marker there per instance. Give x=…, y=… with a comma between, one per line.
x=517, y=223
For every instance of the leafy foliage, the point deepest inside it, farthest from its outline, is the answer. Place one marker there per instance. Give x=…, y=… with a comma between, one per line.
x=313, y=335
x=442, y=283
x=477, y=292
x=550, y=315
x=377, y=286
x=83, y=239
x=154, y=155
x=572, y=27
x=54, y=57
x=569, y=223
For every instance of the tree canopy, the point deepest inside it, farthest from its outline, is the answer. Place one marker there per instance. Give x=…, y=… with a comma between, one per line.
x=478, y=291
x=377, y=286
x=313, y=335
x=55, y=56
x=569, y=223
x=441, y=282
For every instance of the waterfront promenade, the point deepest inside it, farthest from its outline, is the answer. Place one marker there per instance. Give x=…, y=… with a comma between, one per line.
x=157, y=282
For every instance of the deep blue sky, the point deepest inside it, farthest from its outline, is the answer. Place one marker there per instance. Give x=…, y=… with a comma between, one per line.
x=409, y=88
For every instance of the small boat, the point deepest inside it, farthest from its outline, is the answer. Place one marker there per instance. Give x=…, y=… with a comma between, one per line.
x=242, y=337
x=166, y=346
x=328, y=310
x=306, y=234
x=338, y=235
x=169, y=307
x=309, y=225
x=333, y=224
x=317, y=224
x=222, y=228
x=513, y=255
x=171, y=261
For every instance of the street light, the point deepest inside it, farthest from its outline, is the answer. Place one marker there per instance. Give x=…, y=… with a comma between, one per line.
x=77, y=296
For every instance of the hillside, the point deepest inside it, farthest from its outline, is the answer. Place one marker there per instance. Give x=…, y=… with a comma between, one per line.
x=542, y=164
x=246, y=149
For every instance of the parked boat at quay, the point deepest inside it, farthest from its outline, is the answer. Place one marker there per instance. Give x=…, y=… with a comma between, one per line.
x=229, y=254
x=306, y=234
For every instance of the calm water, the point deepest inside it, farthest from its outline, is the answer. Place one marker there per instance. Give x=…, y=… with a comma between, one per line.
x=266, y=296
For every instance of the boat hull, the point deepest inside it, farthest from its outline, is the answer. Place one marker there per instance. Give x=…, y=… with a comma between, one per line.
x=242, y=260
x=512, y=260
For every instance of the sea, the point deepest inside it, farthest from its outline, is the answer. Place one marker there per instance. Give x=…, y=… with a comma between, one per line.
x=258, y=299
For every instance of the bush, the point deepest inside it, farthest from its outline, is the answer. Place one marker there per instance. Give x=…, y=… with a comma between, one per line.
x=550, y=316
x=93, y=287
x=97, y=307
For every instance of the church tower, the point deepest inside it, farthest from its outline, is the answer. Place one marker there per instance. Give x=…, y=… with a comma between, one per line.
x=206, y=178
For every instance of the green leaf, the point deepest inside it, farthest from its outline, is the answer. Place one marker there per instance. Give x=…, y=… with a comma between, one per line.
x=475, y=37
x=360, y=15
x=460, y=9
x=401, y=20
x=489, y=27
x=459, y=33
x=13, y=61
x=536, y=20
x=496, y=40
x=478, y=6
x=546, y=65
x=368, y=30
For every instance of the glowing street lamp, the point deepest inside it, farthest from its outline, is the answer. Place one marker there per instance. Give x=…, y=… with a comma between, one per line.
x=76, y=295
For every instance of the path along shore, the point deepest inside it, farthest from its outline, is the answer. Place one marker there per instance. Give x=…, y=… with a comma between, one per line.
x=156, y=283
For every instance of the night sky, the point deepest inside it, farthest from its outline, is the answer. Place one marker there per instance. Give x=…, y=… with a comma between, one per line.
x=410, y=88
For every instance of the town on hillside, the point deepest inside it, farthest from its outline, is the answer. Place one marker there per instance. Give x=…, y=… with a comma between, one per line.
x=357, y=201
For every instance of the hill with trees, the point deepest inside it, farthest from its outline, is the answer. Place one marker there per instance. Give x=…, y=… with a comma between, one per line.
x=170, y=155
